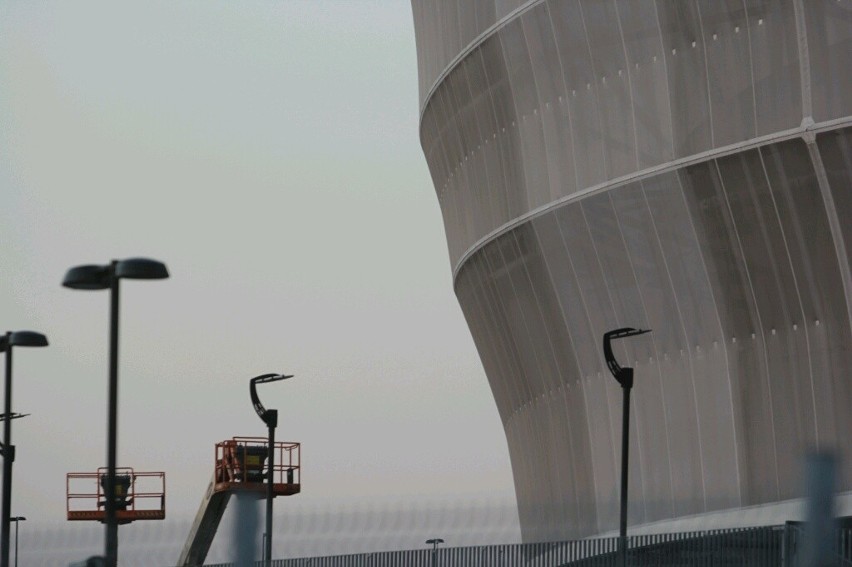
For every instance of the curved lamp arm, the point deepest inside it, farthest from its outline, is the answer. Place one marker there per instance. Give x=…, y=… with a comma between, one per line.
x=269, y=417
x=623, y=375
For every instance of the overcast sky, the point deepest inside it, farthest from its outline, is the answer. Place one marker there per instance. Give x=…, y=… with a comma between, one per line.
x=267, y=152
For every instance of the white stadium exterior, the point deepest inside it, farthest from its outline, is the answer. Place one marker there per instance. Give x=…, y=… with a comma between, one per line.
x=678, y=165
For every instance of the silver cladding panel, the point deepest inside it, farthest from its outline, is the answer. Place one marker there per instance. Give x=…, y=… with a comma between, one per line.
x=679, y=165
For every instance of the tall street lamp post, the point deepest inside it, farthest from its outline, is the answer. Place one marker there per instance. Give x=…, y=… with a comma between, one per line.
x=96, y=277
x=624, y=376
x=270, y=418
x=434, y=543
x=17, y=520
x=7, y=341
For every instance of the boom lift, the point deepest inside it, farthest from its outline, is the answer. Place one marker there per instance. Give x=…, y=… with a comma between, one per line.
x=239, y=466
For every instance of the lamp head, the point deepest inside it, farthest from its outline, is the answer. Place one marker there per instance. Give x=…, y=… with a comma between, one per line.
x=141, y=269
x=626, y=332
x=88, y=277
x=13, y=415
x=93, y=276
x=27, y=338
x=434, y=541
x=264, y=378
x=22, y=338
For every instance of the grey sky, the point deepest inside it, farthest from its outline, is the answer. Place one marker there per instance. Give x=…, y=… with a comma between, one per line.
x=268, y=153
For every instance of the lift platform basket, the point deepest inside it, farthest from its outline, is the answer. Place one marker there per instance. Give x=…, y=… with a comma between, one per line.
x=241, y=464
x=138, y=495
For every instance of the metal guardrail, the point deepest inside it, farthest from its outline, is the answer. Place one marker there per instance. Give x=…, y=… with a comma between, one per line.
x=243, y=460
x=771, y=546
x=138, y=495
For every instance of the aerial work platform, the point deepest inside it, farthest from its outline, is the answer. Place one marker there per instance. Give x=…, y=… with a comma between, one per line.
x=239, y=466
x=138, y=495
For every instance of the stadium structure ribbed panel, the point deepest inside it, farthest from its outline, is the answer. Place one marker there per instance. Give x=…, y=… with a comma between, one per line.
x=678, y=165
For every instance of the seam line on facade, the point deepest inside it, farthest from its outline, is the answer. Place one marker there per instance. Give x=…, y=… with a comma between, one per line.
x=804, y=61
x=658, y=241
x=734, y=417
x=705, y=57
x=666, y=68
x=568, y=111
x=646, y=324
x=706, y=272
x=597, y=96
x=611, y=419
x=629, y=85
x=584, y=378
x=702, y=472
x=562, y=385
x=751, y=69
x=798, y=293
x=803, y=131
x=753, y=303
x=833, y=223
x=546, y=401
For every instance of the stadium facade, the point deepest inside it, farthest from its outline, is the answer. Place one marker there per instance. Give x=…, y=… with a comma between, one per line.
x=679, y=165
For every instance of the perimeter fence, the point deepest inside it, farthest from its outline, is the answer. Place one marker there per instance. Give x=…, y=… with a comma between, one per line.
x=770, y=546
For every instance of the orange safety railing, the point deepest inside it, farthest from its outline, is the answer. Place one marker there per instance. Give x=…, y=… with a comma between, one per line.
x=138, y=495
x=242, y=460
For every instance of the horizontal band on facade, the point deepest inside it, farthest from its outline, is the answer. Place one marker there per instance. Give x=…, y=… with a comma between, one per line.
x=806, y=132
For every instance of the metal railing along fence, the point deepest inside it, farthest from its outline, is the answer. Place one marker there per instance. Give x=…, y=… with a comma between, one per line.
x=770, y=546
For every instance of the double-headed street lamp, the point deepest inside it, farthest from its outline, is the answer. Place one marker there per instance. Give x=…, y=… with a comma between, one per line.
x=270, y=418
x=7, y=341
x=17, y=520
x=624, y=376
x=95, y=277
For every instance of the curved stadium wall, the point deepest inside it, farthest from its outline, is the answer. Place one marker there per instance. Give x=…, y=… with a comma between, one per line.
x=679, y=165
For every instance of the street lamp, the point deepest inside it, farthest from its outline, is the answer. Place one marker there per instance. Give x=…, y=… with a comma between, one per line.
x=7, y=341
x=96, y=277
x=270, y=418
x=434, y=543
x=16, y=519
x=624, y=376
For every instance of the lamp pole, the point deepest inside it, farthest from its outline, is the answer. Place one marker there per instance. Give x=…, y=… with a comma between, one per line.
x=17, y=520
x=111, y=545
x=7, y=341
x=96, y=277
x=8, y=455
x=270, y=418
x=624, y=376
x=434, y=543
